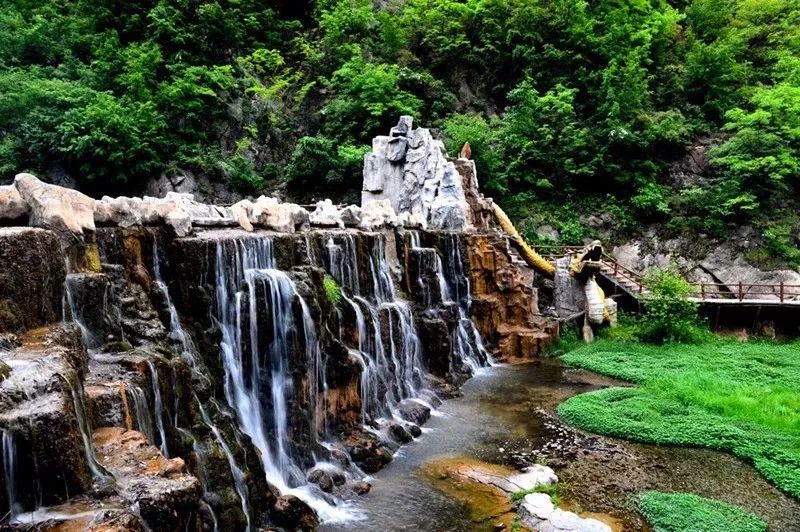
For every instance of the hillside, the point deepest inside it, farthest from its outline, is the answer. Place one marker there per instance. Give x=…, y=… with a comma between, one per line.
x=683, y=114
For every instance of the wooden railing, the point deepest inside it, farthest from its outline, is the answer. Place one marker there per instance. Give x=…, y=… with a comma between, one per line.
x=741, y=291
x=781, y=292
x=609, y=264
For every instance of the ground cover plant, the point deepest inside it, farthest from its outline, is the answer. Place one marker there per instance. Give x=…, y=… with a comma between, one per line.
x=679, y=512
x=742, y=398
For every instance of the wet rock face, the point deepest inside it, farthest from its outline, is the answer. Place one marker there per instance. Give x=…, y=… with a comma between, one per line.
x=38, y=419
x=166, y=495
x=32, y=274
x=291, y=513
x=505, y=304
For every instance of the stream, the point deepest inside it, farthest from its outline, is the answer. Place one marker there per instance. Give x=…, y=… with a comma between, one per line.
x=506, y=417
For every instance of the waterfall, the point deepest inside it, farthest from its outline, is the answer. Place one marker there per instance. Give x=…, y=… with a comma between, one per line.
x=245, y=272
x=9, y=471
x=188, y=351
x=239, y=482
x=469, y=344
x=158, y=408
x=76, y=389
x=90, y=340
x=398, y=372
x=454, y=287
x=141, y=408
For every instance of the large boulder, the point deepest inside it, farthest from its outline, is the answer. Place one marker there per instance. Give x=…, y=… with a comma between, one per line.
x=57, y=208
x=377, y=214
x=12, y=206
x=284, y=217
x=410, y=170
x=241, y=213
x=326, y=215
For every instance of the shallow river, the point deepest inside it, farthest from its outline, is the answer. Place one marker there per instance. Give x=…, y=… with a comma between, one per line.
x=505, y=417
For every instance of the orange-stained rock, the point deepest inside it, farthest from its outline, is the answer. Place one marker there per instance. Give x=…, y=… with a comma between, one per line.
x=505, y=305
x=166, y=494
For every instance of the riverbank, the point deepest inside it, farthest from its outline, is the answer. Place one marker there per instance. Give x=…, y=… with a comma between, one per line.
x=507, y=417
x=742, y=398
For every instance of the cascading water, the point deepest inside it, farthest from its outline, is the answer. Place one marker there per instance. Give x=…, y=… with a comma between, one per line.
x=176, y=329
x=76, y=390
x=9, y=471
x=158, y=408
x=469, y=344
x=454, y=287
x=245, y=270
x=71, y=282
x=398, y=373
x=239, y=482
x=144, y=419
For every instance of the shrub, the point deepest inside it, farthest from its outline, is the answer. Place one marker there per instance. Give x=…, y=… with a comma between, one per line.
x=669, y=314
x=332, y=290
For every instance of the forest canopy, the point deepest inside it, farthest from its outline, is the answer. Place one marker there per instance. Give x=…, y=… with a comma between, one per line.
x=561, y=100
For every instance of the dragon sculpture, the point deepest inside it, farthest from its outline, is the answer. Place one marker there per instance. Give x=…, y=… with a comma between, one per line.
x=575, y=291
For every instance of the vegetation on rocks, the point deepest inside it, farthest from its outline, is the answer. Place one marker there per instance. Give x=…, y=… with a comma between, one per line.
x=332, y=290
x=679, y=512
x=564, y=103
x=737, y=397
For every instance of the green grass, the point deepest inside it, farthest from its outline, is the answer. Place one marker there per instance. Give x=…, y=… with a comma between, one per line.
x=684, y=512
x=724, y=395
x=551, y=489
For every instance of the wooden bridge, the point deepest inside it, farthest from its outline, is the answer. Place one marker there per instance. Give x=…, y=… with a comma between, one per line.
x=631, y=283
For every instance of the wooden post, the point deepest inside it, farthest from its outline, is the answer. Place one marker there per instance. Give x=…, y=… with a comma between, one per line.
x=741, y=293
x=616, y=268
x=781, y=291
x=702, y=290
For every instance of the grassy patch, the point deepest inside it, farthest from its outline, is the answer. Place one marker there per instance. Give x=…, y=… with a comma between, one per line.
x=550, y=489
x=724, y=395
x=679, y=512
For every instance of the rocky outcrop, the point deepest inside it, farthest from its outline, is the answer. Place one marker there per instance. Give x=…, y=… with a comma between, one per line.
x=54, y=207
x=721, y=265
x=163, y=491
x=505, y=302
x=536, y=510
x=32, y=273
x=12, y=206
x=409, y=168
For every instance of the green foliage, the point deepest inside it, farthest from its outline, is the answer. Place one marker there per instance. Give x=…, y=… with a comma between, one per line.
x=332, y=290
x=112, y=139
x=553, y=490
x=736, y=397
x=561, y=101
x=319, y=164
x=369, y=99
x=678, y=512
x=763, y=155
x=669, y=315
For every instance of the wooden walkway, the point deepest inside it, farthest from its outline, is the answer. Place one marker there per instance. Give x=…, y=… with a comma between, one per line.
x=743, y=294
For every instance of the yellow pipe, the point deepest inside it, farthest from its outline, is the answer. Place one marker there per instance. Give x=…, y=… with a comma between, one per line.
x=534, y=260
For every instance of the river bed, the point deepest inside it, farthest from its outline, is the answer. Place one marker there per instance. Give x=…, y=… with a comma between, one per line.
x=506, y=417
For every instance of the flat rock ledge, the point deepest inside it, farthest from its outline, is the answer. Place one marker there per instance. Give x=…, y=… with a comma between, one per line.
x=536, y=510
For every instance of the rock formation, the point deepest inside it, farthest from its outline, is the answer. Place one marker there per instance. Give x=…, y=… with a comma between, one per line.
x=191, y=362
x=411, y=170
